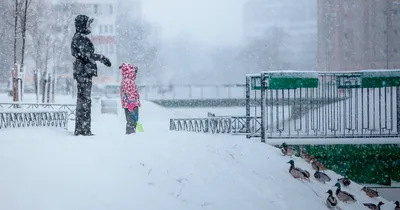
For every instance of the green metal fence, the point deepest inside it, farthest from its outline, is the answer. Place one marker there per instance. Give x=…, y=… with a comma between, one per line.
x=309, y=104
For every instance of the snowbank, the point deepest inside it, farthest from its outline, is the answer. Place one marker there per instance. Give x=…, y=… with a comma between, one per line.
x=48, y=168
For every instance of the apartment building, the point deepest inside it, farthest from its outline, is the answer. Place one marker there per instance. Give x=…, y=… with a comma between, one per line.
x=358, y=34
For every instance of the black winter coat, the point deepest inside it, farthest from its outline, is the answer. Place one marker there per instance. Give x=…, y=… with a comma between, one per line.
x=83, y=50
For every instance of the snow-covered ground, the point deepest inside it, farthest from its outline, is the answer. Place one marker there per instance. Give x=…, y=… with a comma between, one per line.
x=48, y=168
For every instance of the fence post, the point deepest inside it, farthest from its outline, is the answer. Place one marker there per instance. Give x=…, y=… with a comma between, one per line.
x=262, y=83
x=248, y=81
x=171, y=124
x=206, y=126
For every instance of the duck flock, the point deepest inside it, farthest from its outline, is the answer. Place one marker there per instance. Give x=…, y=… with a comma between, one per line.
x=331, y=200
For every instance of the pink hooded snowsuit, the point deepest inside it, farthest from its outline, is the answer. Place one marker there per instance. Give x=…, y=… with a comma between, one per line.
x=128, y=86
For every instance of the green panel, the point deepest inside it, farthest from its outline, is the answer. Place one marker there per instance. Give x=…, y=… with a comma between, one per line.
x=379, y=79
x=292, y=83
x=372, y=164
x=293, y=80
x=380, y=82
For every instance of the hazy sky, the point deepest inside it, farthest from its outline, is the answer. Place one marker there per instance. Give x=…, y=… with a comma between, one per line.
x=211, y=21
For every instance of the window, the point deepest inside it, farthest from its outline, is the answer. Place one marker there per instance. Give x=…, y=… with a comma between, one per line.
x=96, y=8
x=100, y=29
x=111, y=29
x=105, y=29
x=110, y=9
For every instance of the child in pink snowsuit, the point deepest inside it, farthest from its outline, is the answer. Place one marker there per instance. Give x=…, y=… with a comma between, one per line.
x=130, y=91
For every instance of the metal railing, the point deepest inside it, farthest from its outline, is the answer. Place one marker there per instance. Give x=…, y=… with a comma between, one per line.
x=330, y=105
x=69, y=108
x=33, y=118
x=300, y=104
x=235, y=125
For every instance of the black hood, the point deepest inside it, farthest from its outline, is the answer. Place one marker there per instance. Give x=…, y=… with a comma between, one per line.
x=82, y=24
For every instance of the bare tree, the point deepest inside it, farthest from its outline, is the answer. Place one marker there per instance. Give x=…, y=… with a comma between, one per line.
x=15, y=31
x=6, y=45
x=19, y=12
x=50, y=42
x=24, y=20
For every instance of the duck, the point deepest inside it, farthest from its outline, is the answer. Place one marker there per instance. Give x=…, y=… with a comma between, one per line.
x=307, y=157
x=397, y=205
x=298, y=173
x=343, y=195
x=321, y=176
x=315, y=163
x=345, y=180
x=370, y=192
x=331, y=201
x=374, y=206
x=288, y=151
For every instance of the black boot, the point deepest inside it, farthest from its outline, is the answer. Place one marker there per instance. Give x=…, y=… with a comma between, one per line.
x=130, y=130
x=88, y=134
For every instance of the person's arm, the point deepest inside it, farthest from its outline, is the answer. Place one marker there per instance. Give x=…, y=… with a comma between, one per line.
x=136, y=92
x=86, y=53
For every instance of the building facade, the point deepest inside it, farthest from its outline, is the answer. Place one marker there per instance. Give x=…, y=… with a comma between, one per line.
x=358, y=34
x=298, y=20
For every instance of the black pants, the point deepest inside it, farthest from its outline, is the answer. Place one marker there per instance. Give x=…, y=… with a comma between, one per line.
x=130, y=120
x=83, y=106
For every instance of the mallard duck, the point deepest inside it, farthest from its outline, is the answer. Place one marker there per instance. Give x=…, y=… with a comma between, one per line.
x=307, y=157
x=289, y=151
x=331, y=202
x=298, y=173
x=321, y=176
x=374, y=206
x=370, y=192
x=343, y=195
x=315, y=163
x=397, y=205
x=345, y=180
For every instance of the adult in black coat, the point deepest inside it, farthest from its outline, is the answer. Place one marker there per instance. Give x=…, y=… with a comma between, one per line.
x=85, y=69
